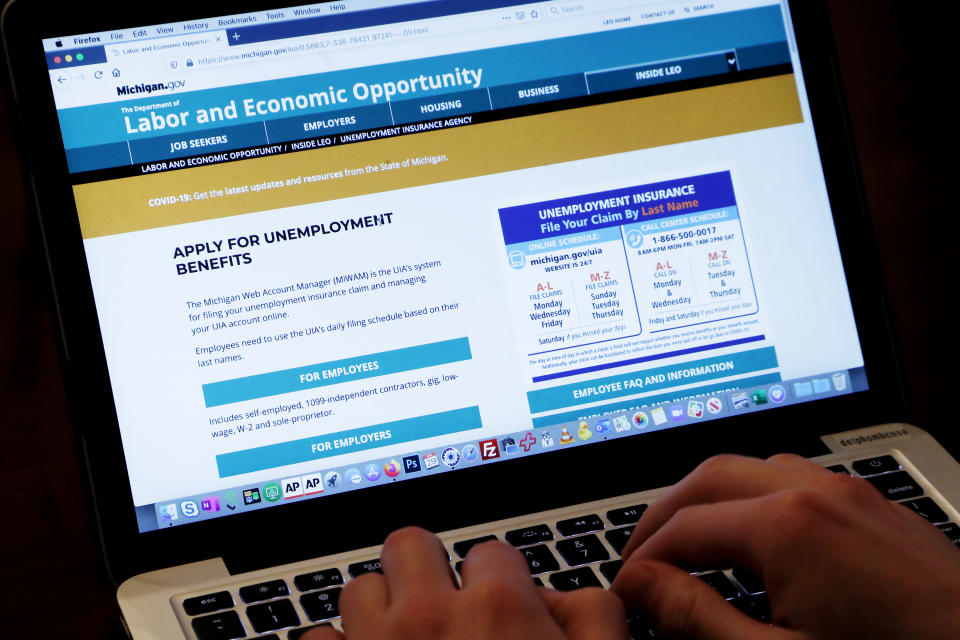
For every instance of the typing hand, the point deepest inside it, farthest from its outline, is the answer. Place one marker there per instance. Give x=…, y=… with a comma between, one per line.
x=838, y=560
x=416, y=597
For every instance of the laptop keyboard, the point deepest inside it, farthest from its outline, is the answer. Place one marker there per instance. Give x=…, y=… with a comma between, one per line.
x=566, y=554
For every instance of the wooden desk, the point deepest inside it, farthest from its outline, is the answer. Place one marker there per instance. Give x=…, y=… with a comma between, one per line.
x=48, y=555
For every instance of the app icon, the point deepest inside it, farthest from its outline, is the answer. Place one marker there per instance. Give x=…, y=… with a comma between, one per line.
x=271, y=492
x=292, y=488
x=392, y=469
x=333, y=480
x=230, y=500
x=210, y=504
x=251, y=496
x=509, y=446
x=411, y=464
x=168, y=512
x=659, y=415
x=759, y=396
x=801, y=389
x=353, y=475
x=565, y=437
x=450, y=457
x=470, y=452
x=714, y=405
x=740, y=401
x=695, y=409
x=189, y=508
x=489, y=449
x=840, y=381
x=777, y=393
x=640, y=420
x=621, y=424
x=312, y=483
x=584, y=432
x=430, y=460
x=546, y=440
x=371, y=472
x=821, y=385
x=528, y=441
x=602, y=426
x=676, y=412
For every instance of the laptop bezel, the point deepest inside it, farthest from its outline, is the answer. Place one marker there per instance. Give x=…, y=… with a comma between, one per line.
x=356, y=519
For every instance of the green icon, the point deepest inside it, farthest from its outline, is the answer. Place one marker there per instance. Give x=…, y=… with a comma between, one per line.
x=759, y=396
x=271, y=492
x=79, y=56
x=231, y=499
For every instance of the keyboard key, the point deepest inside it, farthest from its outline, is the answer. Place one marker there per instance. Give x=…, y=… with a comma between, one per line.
x=896, y=486
x=582, y=550
x=219, y=626
x=529, y=535
x=296, y=634
x=626, y=515
x=755, y=606
x=583, y=524
x=264, y=591
x=321, y=605
x=618, y=538
x=750, y=583
x=611, y=569
x=926, y=508
x=539, y=559
x=208, y=603
x=318, y=579
x=872, y=466
x=952, y=531
x=463, y=547
x=574, y=579
x=367, y=566
x=838, y=468
x=538, y=582
x=271, y=616
x=721, y=583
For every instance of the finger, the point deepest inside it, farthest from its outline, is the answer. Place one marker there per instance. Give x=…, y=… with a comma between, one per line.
x=363, y=604
x=680, y=605
x=323, y=633
x=717, y=479
x=796, y=463
x=494, y=561
x=415, y=558
x=587, y=614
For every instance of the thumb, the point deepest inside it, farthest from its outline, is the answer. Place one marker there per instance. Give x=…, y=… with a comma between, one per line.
x=587, y=614
x=679, y=605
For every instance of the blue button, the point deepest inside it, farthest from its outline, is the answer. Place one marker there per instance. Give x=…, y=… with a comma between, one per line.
x=659, y=73
x=329, y=123
x=197, y=143
x=442, y=106
x=514, y=95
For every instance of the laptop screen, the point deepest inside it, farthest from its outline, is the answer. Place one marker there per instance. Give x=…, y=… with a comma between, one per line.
x=348, y=244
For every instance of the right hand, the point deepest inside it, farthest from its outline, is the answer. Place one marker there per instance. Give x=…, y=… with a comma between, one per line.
x=838, y=559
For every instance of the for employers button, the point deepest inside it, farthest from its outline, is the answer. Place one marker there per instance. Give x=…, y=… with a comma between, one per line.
x=513, y=95
x=335, y=372
x=441, y=106
x=329, y=123
x=335, y=444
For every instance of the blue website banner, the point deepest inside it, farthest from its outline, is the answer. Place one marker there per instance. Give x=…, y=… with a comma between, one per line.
x=593, y=211
x=166, y=109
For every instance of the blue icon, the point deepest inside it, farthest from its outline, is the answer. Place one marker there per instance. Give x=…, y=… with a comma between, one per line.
x=450, y=457
x=821, y=385
x=777, y=393
x=802, y=389
x=190, y=508
x=353, y=476
x=470, y=452
x=603, y=426
x=634, y=238
x=677, y=412
x=371, y=472
x=518, y=259
x=509, y=445
x=333, y=480
x=411, y=464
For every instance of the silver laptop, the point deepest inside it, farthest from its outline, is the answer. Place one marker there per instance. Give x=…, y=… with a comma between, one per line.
x=492, y=268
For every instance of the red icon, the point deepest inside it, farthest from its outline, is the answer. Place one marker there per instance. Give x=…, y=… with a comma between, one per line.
x=489, y=449
x=528, y=441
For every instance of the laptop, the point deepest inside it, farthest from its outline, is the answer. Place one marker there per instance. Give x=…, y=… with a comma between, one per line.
x=492, y=268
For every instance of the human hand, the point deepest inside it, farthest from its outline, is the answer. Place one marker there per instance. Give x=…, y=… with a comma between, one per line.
x=837, y=558
x=417, y=597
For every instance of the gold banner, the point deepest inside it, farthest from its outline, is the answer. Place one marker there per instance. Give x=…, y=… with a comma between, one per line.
x=217, y=191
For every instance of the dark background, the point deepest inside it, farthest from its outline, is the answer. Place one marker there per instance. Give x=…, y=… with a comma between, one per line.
x=893, y=61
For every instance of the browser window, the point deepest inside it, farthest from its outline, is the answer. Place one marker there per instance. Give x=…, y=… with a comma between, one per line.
x=331, y=251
